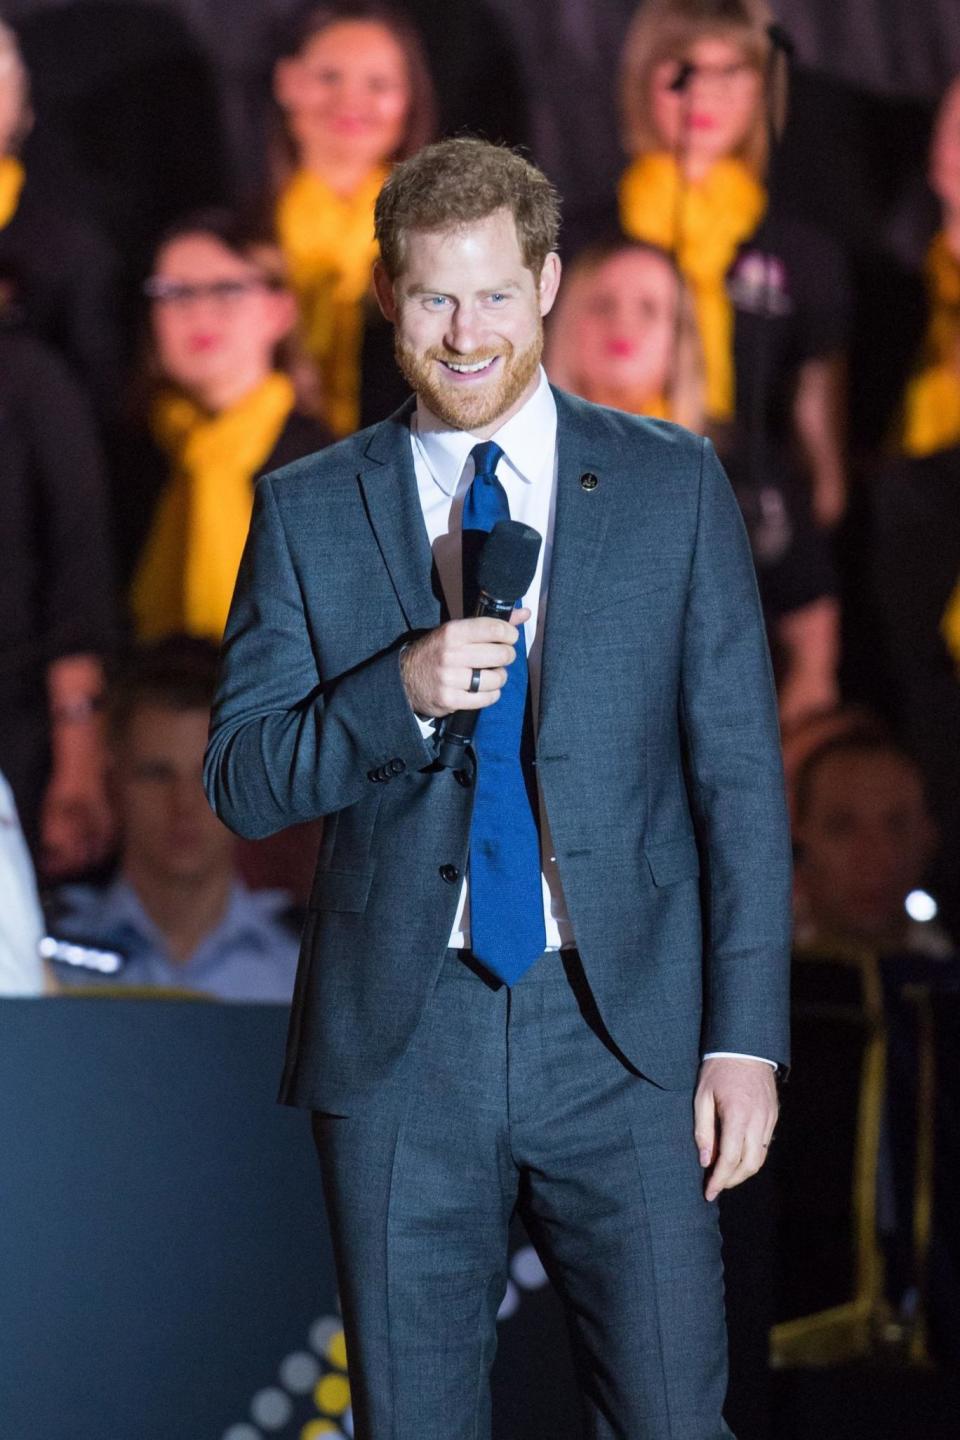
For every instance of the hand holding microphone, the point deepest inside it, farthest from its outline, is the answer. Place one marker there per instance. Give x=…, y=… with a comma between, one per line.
x=462, y=666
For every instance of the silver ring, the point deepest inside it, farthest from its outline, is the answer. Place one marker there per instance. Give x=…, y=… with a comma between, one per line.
x=474, y=685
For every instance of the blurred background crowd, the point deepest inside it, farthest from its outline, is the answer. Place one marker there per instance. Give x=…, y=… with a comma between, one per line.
x=761, y=249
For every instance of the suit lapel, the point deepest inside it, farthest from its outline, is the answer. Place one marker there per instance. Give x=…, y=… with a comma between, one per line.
x=579, y=530
x=389, y=485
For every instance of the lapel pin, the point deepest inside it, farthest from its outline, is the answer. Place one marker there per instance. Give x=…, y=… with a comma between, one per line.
x=588, y=481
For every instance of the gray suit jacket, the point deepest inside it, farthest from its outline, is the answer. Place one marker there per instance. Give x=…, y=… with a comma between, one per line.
x=657, y=749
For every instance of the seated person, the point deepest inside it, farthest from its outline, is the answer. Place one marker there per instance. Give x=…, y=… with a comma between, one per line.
x=176, y=913
x=864, y=841
x=221, y=406
x=624, y=333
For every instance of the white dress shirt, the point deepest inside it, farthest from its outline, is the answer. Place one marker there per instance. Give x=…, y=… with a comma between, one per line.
x=528, y=474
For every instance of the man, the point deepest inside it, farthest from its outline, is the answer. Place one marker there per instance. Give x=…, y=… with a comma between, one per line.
x=177, y=913
x=527, y=1035
x=865, y=840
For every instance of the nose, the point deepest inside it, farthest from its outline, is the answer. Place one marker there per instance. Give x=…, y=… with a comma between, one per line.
x=463, y=330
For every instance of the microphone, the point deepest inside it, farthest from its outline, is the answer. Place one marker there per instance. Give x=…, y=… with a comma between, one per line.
x=682, y=79
x=505, y=568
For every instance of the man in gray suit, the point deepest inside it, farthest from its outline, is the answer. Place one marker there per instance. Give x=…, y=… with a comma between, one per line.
x=553, y=979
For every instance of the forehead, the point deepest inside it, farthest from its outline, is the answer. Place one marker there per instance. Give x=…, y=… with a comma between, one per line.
x=864, y=783
x=467, y=249
x=199, y=254
x=354, y=42
x=637, y=268
x=164, y=730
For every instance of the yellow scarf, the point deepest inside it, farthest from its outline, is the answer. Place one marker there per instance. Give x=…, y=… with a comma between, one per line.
x=703, y=223
x=329, y=246
x=12, y=176
x=186, y=577
x=932, y=402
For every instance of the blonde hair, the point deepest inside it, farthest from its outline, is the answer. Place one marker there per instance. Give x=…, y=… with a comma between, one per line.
x=666, y=30
x=12, y=66
x=684, y=390
x=456, y=182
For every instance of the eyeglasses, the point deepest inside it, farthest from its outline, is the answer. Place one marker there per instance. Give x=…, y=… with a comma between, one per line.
x=676, y=74
x=224, y=293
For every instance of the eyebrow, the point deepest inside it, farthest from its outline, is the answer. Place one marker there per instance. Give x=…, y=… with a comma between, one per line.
x=486, y=289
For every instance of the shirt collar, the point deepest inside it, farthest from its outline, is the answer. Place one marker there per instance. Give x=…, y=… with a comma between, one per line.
x=526, y=439
x=120, y=917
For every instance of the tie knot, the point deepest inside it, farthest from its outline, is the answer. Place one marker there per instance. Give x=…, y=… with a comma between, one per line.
x=486, y=457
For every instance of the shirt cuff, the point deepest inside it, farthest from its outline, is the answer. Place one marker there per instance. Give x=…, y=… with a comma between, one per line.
x=737, y=1055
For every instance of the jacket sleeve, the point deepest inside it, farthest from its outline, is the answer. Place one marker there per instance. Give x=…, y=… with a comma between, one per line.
x=729, y=713
x=288, y=744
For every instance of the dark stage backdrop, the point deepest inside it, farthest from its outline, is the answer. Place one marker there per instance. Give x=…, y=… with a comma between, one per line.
x=165, y=1272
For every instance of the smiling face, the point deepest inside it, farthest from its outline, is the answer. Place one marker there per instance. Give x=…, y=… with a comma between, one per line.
x=216, y=320
x=714, y=115
x=347, y=95
x=468, y=317
x=625, y=327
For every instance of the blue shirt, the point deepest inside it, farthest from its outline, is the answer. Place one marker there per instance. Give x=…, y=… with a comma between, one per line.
x=250, y=955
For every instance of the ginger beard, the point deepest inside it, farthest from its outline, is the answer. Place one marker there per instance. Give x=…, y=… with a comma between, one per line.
x=474, y=405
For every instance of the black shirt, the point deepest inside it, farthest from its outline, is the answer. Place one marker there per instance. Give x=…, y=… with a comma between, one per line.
x=56, y=592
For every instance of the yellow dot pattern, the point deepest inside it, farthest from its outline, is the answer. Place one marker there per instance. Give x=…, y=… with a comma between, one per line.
x=318, y=1428
x=337, y=1350
x=333, y=1394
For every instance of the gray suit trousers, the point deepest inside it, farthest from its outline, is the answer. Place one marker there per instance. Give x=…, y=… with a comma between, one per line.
x=517, y=1099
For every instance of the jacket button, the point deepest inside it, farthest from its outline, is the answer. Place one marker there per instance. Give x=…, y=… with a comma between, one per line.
x=450, y=873
x=372, y=775
x=588, y=481
x=397, y=767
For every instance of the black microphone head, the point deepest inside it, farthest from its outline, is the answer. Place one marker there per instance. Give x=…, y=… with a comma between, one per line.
x=508, y=560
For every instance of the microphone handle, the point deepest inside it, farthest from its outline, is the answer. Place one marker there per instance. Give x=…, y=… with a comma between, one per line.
x=457, y=729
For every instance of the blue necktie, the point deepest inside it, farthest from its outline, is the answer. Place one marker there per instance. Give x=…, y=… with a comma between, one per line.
x=506, y=897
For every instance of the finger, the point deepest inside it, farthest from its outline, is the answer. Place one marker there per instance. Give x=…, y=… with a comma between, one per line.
x=705, y=1126
x=728, y=1160
x=483, y=629
x=483, y=657
x=751, y=1160
x=494, y=679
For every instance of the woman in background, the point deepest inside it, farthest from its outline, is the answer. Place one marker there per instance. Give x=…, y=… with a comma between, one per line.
x=624, y=333
x=355, y=95
x=57, y=275
x=701, y=88
x=220, y=409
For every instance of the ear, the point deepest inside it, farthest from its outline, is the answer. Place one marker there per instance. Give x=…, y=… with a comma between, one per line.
x=549, y=282
x=286, y=82
x=383, y=286
x=283, y=308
